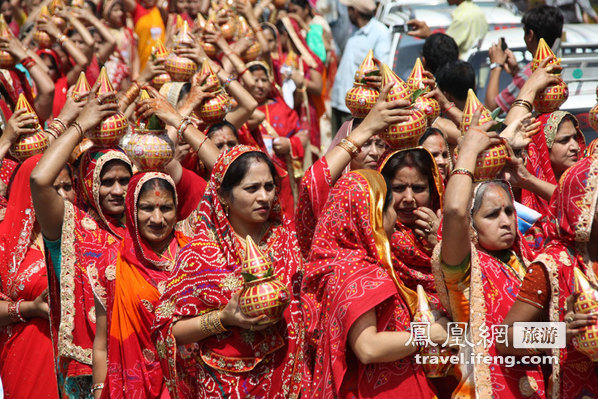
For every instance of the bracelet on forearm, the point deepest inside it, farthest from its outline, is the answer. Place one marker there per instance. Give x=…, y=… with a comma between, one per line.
x=96, y=387
x=28, y=62
x=182, y=127
x=228, y=81
x=77, y=126
x=14, y=312
x=202, y=142
x=210, y=324
x=523, y=103
x=348, y=146
x=462, y=171
x=450, y=106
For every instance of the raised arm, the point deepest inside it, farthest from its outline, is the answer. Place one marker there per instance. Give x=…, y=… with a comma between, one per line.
x=109, y=41
x=379, y=118
x=455, y=245
x=43, y=82
x=49, y=205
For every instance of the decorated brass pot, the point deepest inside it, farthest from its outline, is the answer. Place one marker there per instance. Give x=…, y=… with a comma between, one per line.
x=471, y=105
x=150, y=148
x=587, y=302
x=214, y=109
x=160, y=52
x=181, y=69
x=6, y=59
x=490, y=162
x=32, y=144
x=429, y=106
x=109, y=132
x=361, y=98
x=403, y=134
x=424, y=315
x=252, y=52
x=263, y=293
x=551, y=98
x=43, y=39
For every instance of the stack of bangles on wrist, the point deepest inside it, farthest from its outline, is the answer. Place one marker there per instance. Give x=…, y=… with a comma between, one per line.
x=524, y=104
x=210, y=324
x=185, y=122
x=77, y=126
x=28, y=62
x=14, y=312
x=56, y=128
x=132, y=92
x=96, y=387
x=462, y=171
x=350, y=146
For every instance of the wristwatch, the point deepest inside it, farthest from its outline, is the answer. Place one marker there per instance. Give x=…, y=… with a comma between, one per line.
x=495, y=65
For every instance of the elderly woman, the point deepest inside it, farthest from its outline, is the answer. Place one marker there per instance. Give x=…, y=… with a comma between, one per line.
x=479, y=274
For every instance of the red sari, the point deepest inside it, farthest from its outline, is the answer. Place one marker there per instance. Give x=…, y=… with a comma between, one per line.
x=480, y=292
x=538, y=162
x=350, y=273
x=26, y=357
x=85, y=237
x=237, y=363
x=129, y=284
x=572, y=208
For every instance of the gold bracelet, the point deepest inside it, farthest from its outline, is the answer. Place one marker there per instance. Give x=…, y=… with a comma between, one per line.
x=77, y=126
x=349, y=147
x=217, y=323
x=201, y=144
x=523, y=103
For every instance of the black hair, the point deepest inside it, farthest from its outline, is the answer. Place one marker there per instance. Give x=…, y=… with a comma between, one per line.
x=388, y=196
x=52, y=60
x=156, y=183
x=270, y=28
x=456, y=78
x=258, y=67
x=545, y=21
x=185, y=89
x=112, y=162
x=238, y=169
x=280, y=26
x=438, y=50
x=220, y=125
x=415, y=158
x=431, y=131
x=303, y=4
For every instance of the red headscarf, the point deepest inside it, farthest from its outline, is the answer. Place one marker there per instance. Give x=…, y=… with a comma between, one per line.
x=350, y=273
x=19, y=222
x=538, y=162
x=60, y=84
x=90, y=168
x=241, y=362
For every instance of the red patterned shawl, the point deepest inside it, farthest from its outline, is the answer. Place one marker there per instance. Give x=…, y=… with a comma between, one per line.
x=350, y=273
x=572, y=206
x=238, y=363
x=26, y=357
x=538, y=162
x=90, y=168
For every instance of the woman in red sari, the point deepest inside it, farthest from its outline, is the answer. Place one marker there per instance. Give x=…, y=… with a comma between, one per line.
x=417, y=188
x=479, y=273
x=127, y=289
x=238, y=359
x=74, y=240
x=357, y=311
x=559, y=145
x=547, y=289
x=26, y=357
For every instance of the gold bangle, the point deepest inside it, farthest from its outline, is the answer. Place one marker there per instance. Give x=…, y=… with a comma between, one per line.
x=349, y=147
x=77, y=126
x=202, y=142
x=523, y=103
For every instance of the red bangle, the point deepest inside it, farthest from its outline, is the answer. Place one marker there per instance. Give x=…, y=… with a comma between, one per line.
x=451, y=105
x=28, y=62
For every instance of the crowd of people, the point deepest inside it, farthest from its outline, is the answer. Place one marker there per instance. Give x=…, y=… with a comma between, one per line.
x=127, y=269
